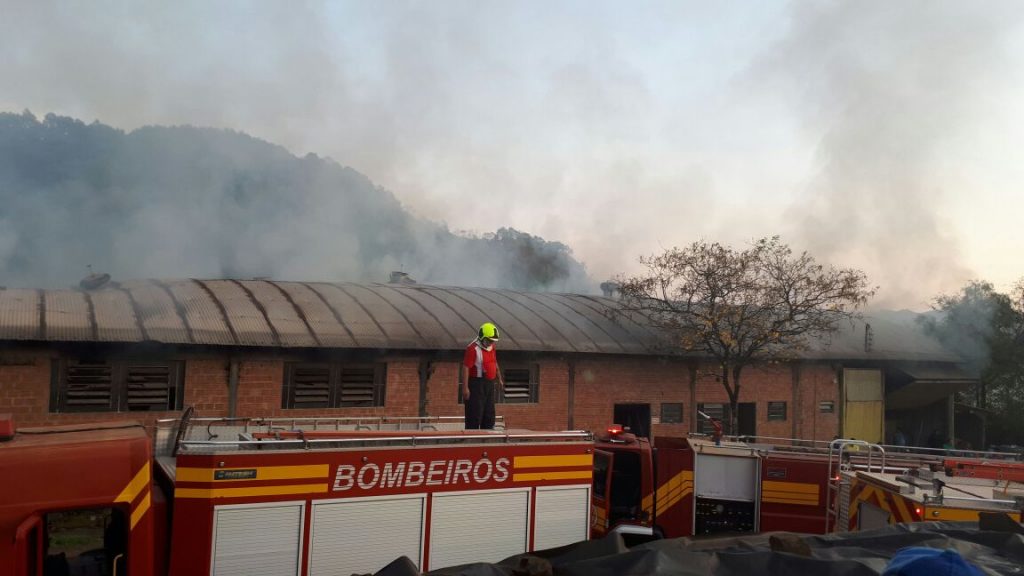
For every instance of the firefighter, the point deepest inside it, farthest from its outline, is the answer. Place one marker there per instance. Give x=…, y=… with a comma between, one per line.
x=481, y=361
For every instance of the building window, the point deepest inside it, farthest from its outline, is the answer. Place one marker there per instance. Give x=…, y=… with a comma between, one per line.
x=776, y=411
x=88, y=385
x=522, y=384
x=827, y=407
x=323, y=385
x=719, y=412
x=671, y=412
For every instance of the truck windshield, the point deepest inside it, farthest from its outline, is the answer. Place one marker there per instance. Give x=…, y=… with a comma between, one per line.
x=625, y=497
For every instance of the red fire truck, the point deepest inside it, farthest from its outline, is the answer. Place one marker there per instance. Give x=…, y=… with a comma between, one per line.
x=342, y=496
x=694, y=486
x=276, y=497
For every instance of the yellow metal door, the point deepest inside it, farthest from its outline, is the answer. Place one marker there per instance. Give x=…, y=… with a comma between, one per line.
x=863, y=416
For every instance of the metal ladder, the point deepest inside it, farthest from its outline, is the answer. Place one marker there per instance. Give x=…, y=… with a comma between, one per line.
x=837, y=492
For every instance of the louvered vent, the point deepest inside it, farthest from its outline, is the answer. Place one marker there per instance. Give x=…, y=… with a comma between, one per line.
x=521, y=384
x=310, y=385
x=89, y=387
x=517, y=385
x=118, y=386
x=361, y=385
x=150, y=387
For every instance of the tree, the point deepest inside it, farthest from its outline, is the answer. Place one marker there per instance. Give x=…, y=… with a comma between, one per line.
x=986, y=327
x=742, y=307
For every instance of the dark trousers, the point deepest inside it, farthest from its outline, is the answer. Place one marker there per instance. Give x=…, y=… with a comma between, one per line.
x=480, y=404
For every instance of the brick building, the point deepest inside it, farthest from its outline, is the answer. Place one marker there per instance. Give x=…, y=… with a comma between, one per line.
x=144, y=350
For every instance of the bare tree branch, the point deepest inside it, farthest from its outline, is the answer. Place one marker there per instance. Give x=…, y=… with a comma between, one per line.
x=742, y=307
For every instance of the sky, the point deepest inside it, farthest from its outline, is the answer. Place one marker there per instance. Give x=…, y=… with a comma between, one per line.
x=886, y=136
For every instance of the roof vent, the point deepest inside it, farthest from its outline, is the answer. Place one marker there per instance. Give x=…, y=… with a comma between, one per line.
x=400, y=278
x=869, y=338
x=608, y=289
x=93, y=280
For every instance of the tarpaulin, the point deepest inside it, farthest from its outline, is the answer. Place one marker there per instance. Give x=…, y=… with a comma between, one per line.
x=849, y=554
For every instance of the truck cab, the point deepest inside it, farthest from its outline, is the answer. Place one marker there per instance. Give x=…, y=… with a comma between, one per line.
x=78, y=500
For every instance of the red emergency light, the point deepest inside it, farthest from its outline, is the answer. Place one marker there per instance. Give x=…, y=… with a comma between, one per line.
x=614, y=429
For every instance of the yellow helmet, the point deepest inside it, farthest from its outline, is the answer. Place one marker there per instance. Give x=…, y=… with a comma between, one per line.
x=489, y=331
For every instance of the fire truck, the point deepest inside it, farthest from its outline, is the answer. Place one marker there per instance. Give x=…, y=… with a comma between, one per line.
x=695, y=486
x=341, y=496
x=278, y=497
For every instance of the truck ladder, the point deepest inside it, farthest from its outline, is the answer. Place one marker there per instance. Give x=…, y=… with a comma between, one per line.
x=837, y=491
x=988, y=469
x=207, y=435
x=172, y=432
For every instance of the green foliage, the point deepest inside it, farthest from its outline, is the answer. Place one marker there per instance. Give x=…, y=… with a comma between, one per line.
x=740, y=307
x=986, y=328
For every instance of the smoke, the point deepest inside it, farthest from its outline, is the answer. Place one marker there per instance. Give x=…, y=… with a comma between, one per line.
x=617, y=128
x=886, y=87
x=174, y=202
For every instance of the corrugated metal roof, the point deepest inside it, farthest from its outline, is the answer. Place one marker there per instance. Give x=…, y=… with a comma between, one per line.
x=157, y=311
x=394, y=316
x=20, y=314
x=68, y=316
x=112, y=324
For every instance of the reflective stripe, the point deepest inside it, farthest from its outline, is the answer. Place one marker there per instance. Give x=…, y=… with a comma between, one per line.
x=479, y=361
x=556, y=461
x=140, y=510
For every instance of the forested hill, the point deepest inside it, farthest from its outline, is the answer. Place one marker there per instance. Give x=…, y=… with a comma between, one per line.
x=194, y=202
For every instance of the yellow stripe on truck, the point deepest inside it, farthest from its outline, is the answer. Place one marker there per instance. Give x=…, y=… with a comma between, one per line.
x=558, y=461
x=801, y=493
x=137, y=485
x=262, y=473
x=553, y=475
x=140, y=510
x=678, y=485
x=249, y=492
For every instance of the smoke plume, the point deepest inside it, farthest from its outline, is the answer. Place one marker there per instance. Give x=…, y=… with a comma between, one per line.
x=188, y=202
x=885, y=87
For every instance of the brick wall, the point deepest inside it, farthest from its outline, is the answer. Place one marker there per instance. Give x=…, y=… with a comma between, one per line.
x=551, y=410
x=599, y=384
x=603, y=382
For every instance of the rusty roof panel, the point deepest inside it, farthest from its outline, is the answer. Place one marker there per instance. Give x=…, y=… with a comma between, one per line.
x=473, y=316
x=67, y=316
x=246, y=318
x=523, y=329
x=400, y=330
x=420, y=314
x=329, y=331
x=291, y=330
x=593, y=335
x=157, y=313
x=202, y=316
x=115, y=319
x=19, y=314
x=261, y=313
x=458, y=325
x=367, y=333
x=623, y=336
x=569, y=336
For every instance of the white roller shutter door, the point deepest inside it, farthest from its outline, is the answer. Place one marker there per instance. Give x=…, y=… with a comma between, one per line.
x=478, y=527
x=561, y=516
x=257, y=540
x=726, y=477
x=363, y=535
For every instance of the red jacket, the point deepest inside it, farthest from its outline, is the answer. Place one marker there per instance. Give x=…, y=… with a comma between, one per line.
x=480, y=362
